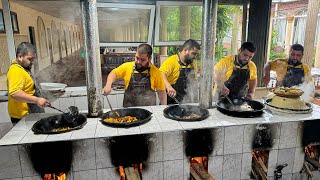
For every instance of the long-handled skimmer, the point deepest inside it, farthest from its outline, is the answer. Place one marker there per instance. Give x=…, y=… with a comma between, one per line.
x=112, y=112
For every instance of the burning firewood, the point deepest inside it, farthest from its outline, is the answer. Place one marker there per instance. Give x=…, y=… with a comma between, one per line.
x=198, y=172
x=257, y=168
x=132, y=173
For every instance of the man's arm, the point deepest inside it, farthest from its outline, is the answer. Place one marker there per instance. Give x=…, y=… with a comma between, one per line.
x=217, y=76
x=266, y=73
x=162, y=97
x=111, y=78
x=21, y=96
x=252, y=88
x=172, y=92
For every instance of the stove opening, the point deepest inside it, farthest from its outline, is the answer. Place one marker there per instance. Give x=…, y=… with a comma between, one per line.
x=128, y=153
x=259, y=165
x=199, y=168
x=52, y=160
x=311, y=160
x=133, y=172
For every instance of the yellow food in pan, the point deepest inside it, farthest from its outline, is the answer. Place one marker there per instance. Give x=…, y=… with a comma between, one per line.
x=61, y=129
x=288, y=91
x=125, y=119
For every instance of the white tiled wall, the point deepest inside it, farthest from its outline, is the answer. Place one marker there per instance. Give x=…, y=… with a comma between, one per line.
x=167, y=159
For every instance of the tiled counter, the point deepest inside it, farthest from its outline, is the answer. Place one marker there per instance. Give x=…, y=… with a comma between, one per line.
x=230, y=158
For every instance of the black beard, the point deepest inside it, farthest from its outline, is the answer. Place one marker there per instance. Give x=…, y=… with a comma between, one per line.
x=141, y=68
x=188, y=60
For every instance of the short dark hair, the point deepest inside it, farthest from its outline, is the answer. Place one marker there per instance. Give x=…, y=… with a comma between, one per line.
x=248, y=46
x=145, y=49
x=190, y=44
x=297, y=47
x=25, y=47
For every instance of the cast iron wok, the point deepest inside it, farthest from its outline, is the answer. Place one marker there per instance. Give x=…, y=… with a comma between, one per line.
x=178, y=112
x=226, y=108
x=48, y=124
x=142, y=115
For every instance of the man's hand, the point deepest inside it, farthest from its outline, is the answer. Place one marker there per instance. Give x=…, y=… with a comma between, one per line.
x=107, y=90
x=171, y=92
x=266, y=79
x=42, y=102
x=249, y=96
x=224, y=90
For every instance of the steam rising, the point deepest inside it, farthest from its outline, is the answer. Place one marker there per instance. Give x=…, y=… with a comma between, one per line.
x=192, y=90
x=309, y=90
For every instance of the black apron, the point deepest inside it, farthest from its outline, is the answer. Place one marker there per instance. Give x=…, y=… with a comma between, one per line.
x=139, y=92
x=34, y=108
x=238, y=81
x=294, y=75
x=181, y=84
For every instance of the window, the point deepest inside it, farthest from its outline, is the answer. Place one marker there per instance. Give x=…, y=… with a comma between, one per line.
x=124, y=24
x=177, y=22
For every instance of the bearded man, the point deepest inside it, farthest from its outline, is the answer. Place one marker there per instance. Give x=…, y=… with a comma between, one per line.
x=236, y=75
x=180, y=71
x=23, y=91
x=142, y=79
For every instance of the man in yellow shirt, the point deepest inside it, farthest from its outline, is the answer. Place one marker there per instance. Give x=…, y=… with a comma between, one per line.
x=290, y=72
x=236, y=75
x=180, y=70
x=23, y=93
x=141, y=80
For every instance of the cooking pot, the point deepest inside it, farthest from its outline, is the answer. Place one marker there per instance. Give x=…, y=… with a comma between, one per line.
x=142, y=115
x=49, y=124
x=225, y=107
x=307, y=109
x=185, y=113
x=288, y=103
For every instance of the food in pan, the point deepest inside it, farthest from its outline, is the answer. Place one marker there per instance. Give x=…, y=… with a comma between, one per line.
x=288, y=91
x=191, y=116
x=125, y=119
x=245, y=107
x=62, y=129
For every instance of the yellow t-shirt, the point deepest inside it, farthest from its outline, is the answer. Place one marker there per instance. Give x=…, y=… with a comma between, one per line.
x=125, y=71
x=225, y=66
x=171, y=68
x=280, y=67
x=18, y=79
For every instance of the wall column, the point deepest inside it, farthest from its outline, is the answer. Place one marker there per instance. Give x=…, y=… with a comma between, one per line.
x=9, y=30
x=317, y=59
x=235, y=29
x=289, y=33
x=309, y=37
x=258, y=32
x=92, y=56
x=209, y=19
x=185, y=16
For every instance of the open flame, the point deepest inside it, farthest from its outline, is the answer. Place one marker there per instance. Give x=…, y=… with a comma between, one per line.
x=133, y=171
x=201, y=160
x=53, y=176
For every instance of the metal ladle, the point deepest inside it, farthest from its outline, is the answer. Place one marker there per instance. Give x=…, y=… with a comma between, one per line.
x=229, y=100
x=112, y=112
x=71, y=110
x=179, y=104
